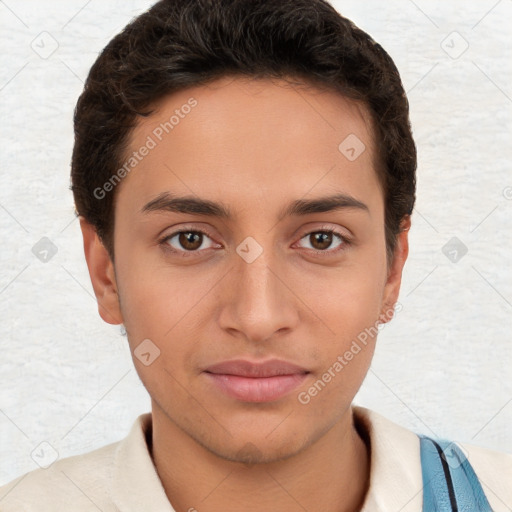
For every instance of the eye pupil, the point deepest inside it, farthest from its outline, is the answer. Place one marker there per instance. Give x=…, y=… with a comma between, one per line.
x=192, y=240
x=325, y=240
x=188, y=240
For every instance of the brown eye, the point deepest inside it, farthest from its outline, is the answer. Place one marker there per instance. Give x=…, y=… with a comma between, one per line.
x=322, y=241
x=190, y=240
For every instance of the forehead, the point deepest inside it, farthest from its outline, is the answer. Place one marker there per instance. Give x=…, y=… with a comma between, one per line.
x=238, y=137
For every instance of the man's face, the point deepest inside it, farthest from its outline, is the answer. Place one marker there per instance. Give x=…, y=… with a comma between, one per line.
x=261, y=283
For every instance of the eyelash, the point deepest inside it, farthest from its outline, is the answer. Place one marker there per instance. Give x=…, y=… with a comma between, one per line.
x=345, y=242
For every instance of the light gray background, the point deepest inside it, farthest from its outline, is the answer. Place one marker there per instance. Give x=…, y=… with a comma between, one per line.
x=442, y=367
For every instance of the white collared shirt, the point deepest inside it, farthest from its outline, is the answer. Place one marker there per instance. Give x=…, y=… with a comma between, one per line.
x=121, y=476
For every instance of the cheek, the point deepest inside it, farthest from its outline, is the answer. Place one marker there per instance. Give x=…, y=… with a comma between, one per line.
x=164, y=305
x=349, y=305
x=160, y=310
x=151, y=311
x=350, y=309
x=347, y=299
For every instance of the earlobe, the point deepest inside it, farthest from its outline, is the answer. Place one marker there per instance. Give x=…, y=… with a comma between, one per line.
x=394, y=278
x=101, y=271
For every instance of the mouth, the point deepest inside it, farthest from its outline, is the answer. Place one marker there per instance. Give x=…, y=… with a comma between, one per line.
x=256, y=382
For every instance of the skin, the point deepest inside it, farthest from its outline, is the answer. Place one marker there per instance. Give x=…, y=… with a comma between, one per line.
x=255, y=146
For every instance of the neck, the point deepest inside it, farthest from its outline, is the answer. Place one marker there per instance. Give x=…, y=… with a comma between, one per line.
x=331, y=475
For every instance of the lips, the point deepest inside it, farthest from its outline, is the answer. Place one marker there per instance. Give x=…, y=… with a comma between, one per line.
x=244, y=368
x=256, y=382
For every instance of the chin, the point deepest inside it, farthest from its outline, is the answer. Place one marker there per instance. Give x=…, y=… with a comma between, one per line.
x=258, y=450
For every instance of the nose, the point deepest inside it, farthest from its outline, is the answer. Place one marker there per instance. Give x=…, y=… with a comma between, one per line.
x=258, y=302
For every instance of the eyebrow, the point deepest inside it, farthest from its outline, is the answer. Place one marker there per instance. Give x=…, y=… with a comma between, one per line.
x=166, y=202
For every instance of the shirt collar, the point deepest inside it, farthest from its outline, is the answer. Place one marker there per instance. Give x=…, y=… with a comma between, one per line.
x=395, y=468
x=396, y=482
x=135, y=484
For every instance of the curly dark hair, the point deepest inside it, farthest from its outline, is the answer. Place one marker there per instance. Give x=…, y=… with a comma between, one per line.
x=178, y=44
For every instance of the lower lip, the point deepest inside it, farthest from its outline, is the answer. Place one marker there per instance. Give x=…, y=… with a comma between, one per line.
x=264, y=389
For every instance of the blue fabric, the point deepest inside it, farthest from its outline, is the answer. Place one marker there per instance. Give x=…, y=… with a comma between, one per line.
x=449, y=482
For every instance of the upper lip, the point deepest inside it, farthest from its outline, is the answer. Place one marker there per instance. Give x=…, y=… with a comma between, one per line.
x=244, y=368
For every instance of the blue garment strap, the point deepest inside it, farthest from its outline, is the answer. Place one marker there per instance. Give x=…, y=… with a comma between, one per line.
x=449, y=482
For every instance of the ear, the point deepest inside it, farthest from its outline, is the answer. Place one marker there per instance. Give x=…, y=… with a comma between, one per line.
x=394, y=279
x=101, y=271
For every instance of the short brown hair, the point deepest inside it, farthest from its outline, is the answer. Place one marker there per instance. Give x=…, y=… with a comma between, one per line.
x=183, y=43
